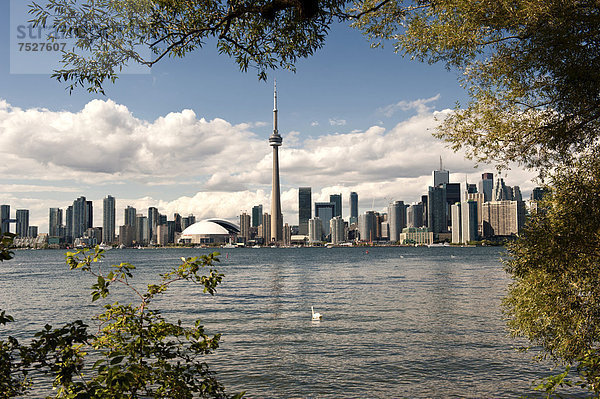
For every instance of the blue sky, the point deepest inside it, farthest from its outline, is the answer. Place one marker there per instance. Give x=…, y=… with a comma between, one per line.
x=189, y=136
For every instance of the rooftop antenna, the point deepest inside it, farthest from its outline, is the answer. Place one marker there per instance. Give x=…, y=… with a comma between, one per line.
x=441, y=167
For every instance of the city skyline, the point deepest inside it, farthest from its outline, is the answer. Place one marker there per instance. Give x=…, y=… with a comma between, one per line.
x=189, y=136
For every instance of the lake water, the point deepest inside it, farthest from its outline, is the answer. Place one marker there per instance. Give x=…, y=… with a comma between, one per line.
x=397, y=322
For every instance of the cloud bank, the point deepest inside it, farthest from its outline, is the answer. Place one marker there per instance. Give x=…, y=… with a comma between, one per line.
x=104, y=149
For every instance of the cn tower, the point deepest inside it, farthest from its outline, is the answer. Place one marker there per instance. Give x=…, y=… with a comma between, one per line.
x=275, y=141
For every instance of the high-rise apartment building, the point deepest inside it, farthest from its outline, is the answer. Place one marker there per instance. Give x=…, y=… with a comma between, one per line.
x=22, y=227
x=89, y=215
x=336, y=199
x=69, y=224
x=55, y=221
x=503, y=218
x=338, y=230
x=108, y=219
x=130, y=214
x=325, y=211
x=353, y=208
x=304, y=209
x=266, y=228
x=80, y=217
x=367, y=226
x=245, y=227
x=315, y=230
x=396, y=220
x=456, y=223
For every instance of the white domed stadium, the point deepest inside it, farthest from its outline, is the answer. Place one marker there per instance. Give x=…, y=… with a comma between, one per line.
x=210, y=231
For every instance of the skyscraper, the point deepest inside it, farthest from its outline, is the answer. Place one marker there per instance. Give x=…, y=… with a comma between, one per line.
x=441, y=176
x=80, y=218
x=353, y=207
x=130, y=213
x=304, y=209
x=108, y=219
x=257, y=214
x=324, y=211
x=336, y=199
x=69, y=224
x=153, y=217
x=275, y=141
x=337, y=228
x=486, y=186
x=55, y=219
x=22, y=227
x=4, y=219
x=437, y=209
x=89, y=215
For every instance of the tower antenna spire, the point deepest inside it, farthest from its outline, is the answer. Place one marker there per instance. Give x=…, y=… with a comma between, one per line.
x=275, y=107
x=441, y=167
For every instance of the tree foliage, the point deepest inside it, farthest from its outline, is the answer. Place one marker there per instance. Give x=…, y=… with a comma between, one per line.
x=531, y=68
x=554, y=300
x=135, y=351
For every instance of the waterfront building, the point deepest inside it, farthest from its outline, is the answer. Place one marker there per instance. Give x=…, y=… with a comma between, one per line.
x=69, y=224
x=287, y=235
x=22, y=227
x=32, y=231
x=367, y=226
x=210, y=231
x=396, y=220
x=336, y=200
x=338, y=230
x=245, y=227
x=452, y=197
x=414, y=215
x=141, y=229
x=130, y=214
x=503, y=218
x=456, y=223
x=416, y=236
x=162, y=234
x=89, y=214
x=486, y=186
x=126, y=235
x=171, y=231
x=108, y=219
x=275, y=141
x=353, y=208
x=304, y=209
x=315, y=230
x=55, y=221
x=325, y=211
x=437, y=209
x=479, y=199
x=266, y=228
x=257, y=213
x=80, y=217
x=153, y=217
x=4, y=219
x=469, y=222
x=177, y=220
